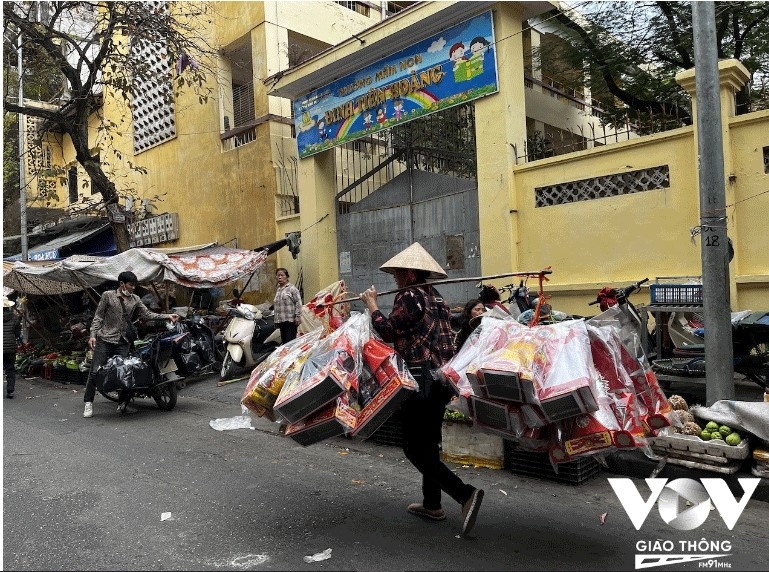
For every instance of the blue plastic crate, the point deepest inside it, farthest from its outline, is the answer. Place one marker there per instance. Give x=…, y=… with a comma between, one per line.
x=687, y=294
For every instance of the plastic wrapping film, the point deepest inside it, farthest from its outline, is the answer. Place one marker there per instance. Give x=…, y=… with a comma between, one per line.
x=321, y=312
x=268, y=378
x=572, y=388
x=659, y=413
x=389, y=386
x=330, y=368
x=350, y=383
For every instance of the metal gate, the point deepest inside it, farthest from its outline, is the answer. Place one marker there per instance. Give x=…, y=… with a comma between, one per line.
x=415, y=182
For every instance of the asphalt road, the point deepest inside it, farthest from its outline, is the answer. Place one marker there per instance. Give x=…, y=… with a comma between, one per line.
x=89, y=494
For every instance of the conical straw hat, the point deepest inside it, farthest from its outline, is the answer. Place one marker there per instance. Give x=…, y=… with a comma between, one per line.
x=414, y=257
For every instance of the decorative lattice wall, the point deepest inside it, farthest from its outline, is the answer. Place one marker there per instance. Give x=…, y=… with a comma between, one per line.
x=152, y=109
x=37, y=156
x=601, y=187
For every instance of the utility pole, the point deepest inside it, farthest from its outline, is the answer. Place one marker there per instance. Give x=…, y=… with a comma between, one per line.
x=719, y=355
x=22, y=173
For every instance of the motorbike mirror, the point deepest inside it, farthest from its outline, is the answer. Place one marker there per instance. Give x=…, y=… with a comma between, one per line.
x=235, y=293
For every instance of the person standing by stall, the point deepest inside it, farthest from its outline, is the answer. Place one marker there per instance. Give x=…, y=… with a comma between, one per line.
x=419, y=326
x=113, y=332
x=288, y=306
x=11, y=333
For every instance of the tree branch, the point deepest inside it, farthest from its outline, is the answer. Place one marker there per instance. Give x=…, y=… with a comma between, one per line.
x=625, y=96
x=686, y=60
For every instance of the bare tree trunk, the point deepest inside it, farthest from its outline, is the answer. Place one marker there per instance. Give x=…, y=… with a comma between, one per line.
x=101, y=184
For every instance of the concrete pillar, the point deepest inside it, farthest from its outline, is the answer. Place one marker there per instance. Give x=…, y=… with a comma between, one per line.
x=317, y=190
x=732, y=76
x=500, y=122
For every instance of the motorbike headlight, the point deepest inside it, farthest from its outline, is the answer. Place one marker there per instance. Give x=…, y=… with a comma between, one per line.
x=248, y=314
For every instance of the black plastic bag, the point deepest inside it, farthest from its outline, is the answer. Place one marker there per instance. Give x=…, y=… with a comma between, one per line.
x=120, y=374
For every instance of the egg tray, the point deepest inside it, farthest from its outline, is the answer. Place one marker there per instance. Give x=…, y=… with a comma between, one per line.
x=680, y=443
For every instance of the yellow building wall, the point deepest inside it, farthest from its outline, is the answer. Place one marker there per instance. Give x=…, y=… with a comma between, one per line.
x=747, y=210
x=495, y=128
x=229, y=196
x=62, y=159
x=619, y=240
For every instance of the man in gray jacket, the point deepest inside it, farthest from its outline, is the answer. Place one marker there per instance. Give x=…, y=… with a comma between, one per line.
x=110, y=331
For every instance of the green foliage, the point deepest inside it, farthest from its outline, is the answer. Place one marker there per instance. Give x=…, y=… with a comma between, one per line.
x=75, y=51
x=538, y=147
x=10, y=158
x=452, y=415
x=633, y=50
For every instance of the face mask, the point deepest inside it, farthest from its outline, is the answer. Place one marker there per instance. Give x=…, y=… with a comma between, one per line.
x=124, y=292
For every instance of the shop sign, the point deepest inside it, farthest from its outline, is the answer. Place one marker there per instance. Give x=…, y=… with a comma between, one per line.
x=51, y=254
x=450, y=68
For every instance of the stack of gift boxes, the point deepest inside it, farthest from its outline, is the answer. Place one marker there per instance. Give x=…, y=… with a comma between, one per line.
x=321, y=386
x=570, y=389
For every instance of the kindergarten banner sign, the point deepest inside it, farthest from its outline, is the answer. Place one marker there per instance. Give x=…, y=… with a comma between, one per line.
x=453, y=67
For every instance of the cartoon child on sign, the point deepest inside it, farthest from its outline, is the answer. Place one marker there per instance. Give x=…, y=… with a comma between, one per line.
x=457, y=55
x=368, y=120
x=380, y=116
x=322, y=131
x=398, y=108
x=478, y=47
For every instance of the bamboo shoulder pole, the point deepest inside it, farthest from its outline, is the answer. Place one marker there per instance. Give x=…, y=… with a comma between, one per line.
x=540, y=273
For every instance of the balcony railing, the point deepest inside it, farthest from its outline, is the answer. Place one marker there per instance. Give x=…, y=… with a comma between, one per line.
x=234, y=138
x=567, y=95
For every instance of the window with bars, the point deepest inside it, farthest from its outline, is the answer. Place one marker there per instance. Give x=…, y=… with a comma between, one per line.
x=359, y=7
x=243, y=104
x=395, y=7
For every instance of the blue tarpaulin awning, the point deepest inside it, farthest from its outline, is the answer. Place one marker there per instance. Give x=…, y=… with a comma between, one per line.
x=97, y=240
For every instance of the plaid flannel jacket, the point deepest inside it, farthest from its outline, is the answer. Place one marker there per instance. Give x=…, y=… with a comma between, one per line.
x=419, y=326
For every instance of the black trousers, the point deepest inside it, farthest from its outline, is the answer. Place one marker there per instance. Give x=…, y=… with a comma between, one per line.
x=9, y=367
x=422, y=419
x=287, y=331
x=101, y=353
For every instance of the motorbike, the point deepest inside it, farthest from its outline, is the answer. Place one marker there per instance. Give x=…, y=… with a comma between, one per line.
x=629, y=316
x=750, y=346
x=521, y=303
x=197, y=353
x=157, y=354
x=750, y=340
x=249, y=338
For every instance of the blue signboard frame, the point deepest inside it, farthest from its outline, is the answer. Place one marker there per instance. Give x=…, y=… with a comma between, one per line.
x=453, y=67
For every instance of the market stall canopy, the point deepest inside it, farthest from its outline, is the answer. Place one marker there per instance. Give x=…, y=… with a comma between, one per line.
x=203, y=266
